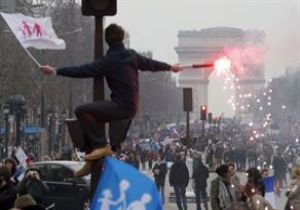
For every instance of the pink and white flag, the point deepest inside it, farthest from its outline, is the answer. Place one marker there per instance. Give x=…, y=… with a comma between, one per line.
x=34, y=32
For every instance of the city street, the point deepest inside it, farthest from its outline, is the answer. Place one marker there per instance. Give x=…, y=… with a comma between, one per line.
x=280, y=201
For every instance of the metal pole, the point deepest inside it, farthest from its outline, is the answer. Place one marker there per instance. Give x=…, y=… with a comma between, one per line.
x=203, y=127
x=70, y=100
x=50, y=133
x=42, y=114
x=18, y=126
x=187, y=126
x=6, y=135
x=98, y=95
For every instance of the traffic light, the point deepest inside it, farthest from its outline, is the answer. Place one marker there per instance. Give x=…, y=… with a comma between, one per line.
x=203, y=111
x=187, y=99
x=98, y=7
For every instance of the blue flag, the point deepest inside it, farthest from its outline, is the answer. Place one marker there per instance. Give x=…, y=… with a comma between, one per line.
x=269, y=183
x=122, y=187
x=269, y=189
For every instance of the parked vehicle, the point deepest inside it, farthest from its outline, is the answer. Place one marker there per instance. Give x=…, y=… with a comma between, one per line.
x=65, y=191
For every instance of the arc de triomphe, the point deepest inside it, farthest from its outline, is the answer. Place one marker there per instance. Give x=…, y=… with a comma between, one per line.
x=199, y=46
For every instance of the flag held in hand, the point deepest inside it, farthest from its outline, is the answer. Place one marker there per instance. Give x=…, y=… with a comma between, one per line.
x=34, y=32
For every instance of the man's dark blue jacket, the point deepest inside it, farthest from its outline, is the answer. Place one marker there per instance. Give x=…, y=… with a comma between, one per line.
x=120, y=68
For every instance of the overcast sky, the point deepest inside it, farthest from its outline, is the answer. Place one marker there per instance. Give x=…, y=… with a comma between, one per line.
x=154, y=24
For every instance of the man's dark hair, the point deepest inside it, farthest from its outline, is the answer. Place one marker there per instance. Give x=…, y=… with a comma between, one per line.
x=4, y=173
x=114, y=34
x=231, y=164
x=255, y=177
x=222, y=170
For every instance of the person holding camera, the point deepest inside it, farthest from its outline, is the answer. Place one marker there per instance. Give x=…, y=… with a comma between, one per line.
x=33, y=185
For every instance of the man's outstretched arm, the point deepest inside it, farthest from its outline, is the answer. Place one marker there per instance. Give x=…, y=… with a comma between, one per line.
x=147, y=64
x=93, y=69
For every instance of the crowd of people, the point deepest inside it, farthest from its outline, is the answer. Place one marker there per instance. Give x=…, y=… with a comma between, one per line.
x=226, y=191
x=21, y=191
x=223, y=151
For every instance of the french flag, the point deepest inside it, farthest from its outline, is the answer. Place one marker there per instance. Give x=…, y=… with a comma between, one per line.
x=269, y=189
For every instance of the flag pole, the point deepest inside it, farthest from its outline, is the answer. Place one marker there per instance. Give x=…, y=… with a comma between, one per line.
x=31, y=56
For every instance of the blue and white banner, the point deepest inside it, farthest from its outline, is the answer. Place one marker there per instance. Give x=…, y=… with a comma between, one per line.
x=122, y=187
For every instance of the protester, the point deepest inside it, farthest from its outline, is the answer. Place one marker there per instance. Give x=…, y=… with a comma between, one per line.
x=120, y=68
x=254, y=177
x=160, y=170
x=268, y=182
x=8, y=192
x=280, y=170
x=33, y=185
x=235, y=180
x=222, y=193
x=293, y=192
x=264, y=172
x=255, y=200
x=179, y=179
x=11, y=163
x=200, y=176
x=133, y=160
x=26, y=202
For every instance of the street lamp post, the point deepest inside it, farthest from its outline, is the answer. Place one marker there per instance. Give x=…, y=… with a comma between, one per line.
x=17, y=102
x=50, y=131
x=6, y=112
x=62, y=130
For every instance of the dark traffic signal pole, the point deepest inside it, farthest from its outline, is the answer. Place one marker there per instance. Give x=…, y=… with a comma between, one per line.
x=99, y=9
x=98, y=95
x=203, y=113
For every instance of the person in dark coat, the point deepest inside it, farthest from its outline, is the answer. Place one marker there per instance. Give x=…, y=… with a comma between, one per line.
x=33, y=185
x=160, y=170
x=254, y=177
x=200, y=176
x=120, y=69
x=179, y=179
x=8, y=193
x=133, y=160
x=11, y=163
x=280, y=170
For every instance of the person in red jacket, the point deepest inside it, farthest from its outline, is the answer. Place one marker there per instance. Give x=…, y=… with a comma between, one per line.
x=120, y=69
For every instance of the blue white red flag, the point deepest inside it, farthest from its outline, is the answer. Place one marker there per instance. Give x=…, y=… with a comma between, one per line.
x=122, y=187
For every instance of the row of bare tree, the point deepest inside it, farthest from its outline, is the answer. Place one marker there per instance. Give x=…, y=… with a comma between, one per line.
x=19, y=75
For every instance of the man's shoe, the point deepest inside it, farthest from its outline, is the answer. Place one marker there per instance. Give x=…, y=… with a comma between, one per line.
x=84, y=170
x=99, y=153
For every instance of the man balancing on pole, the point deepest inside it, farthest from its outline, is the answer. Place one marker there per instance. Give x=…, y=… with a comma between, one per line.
x=120, y=68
